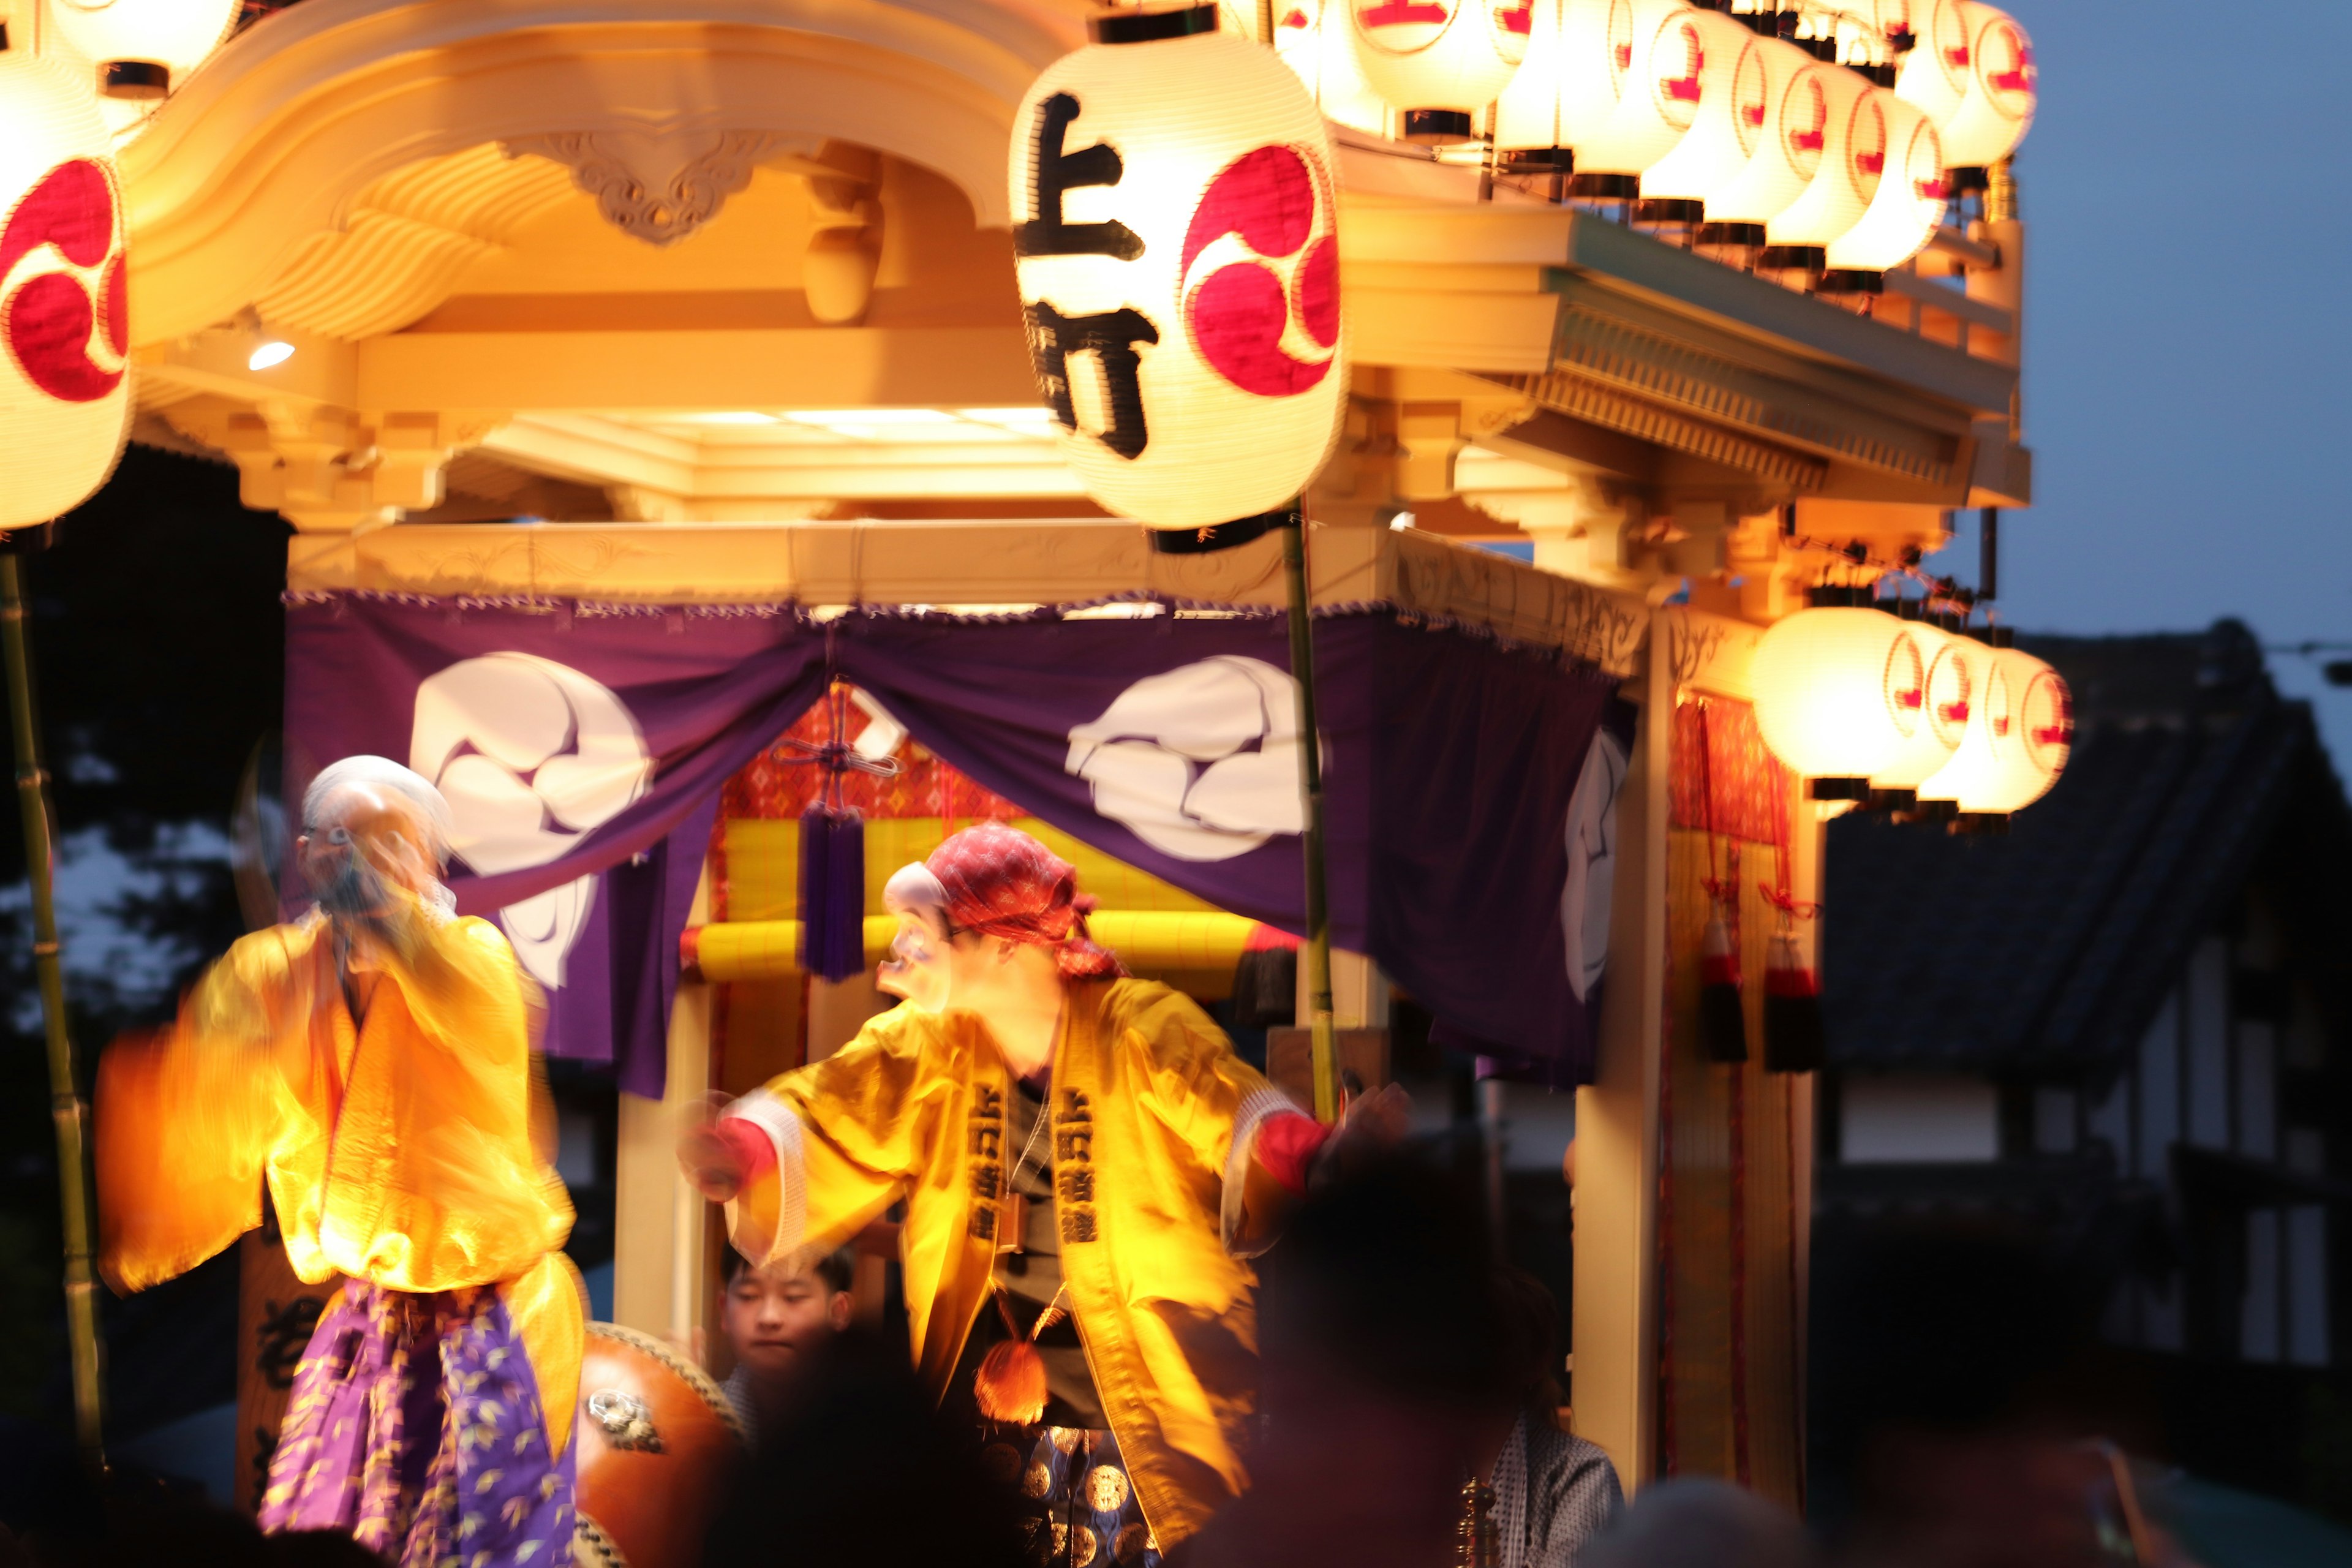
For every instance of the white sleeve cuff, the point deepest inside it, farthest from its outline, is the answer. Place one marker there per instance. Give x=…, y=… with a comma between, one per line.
x=774, y=1118
x=1261, y=1105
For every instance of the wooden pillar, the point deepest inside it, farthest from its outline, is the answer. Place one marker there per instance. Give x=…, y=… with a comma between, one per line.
x=1613, y=1388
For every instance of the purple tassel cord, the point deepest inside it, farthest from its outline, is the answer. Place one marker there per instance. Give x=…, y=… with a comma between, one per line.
x=833, y=891
x=832, y=851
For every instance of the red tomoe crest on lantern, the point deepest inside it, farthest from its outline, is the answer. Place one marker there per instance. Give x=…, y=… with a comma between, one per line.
x=53, y=308
x=1174, y=243
x=1805, y=124
x=1867, y=147
x=1277, y=282
x=65, y=396
x=1679, y=61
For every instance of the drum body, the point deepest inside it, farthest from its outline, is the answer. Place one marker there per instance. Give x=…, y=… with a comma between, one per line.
x=658, y=1443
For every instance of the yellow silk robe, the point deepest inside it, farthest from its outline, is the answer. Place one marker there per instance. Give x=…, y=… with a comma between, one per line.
x=401, y=1152
x=1153, y=1121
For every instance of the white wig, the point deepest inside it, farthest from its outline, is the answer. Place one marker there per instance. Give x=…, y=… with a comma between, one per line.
x=385, y=773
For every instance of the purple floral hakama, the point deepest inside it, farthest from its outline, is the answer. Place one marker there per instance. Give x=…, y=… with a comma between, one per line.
x=414, y=1426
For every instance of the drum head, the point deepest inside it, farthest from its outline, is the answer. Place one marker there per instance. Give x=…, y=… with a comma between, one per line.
x=658, y=1444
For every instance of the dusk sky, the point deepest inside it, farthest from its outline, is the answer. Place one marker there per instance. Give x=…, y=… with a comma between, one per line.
x=2187, y=191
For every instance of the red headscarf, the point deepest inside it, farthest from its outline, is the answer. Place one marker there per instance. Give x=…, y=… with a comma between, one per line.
x=1001, y=883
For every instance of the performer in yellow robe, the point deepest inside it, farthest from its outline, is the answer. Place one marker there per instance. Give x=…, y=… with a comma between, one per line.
x=372, y=1062
x=1082, y=1157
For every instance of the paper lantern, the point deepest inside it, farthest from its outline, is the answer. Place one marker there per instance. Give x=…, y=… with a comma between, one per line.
x=65, y=398
x=1664, y=86
x=2017, y=740
x=1934, y=75
x=1839, y=692
x=171, y=37
x=1792, y=129
x=1179, y=271
x=1439, y=62
x=1904, y=179
x=1852, y=150
x=1569, y=81
x=1993, y=115
x=1948, y=684
x=1729, y=125
x=1315, y=39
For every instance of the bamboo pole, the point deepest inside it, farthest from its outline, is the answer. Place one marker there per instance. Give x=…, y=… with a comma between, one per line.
x=67, y=1106
x=1310, y=776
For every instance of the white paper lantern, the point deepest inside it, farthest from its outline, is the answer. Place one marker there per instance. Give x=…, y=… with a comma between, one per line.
x=2019, y=737
x=1439, y=62
x=1935, y=74
x=1841, y=691
x=1568, y=83
x=176, y=36
x=1853, y=136
x=1948, y=691
x=65, y=396
x=1904, y=179
x=1175, y=250
x=1793, y=128
x=1998, y=108
x=1728, y=127
x=1315, y=39
x=1658, y=97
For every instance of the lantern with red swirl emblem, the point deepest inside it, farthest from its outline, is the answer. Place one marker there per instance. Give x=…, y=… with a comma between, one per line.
x=1907, y=190
x=1660, y=94
x=1851, y=133
x=1174, y=244
x=1791, y=125
x=1728, y=127
x=1935, y=74
x=2019, y=737
x=65, y=399
x=1439, y=62
x=1994, y=113
x=1842, y=691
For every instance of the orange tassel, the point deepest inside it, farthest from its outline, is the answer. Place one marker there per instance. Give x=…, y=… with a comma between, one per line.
x=1010, y=1385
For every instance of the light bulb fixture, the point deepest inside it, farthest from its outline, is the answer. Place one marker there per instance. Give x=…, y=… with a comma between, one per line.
x=265, y=350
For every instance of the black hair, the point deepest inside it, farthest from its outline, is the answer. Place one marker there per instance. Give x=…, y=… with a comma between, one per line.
x=837, y=1269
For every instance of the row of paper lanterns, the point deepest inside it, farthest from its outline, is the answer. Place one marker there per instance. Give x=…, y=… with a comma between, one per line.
x=73, y=75
x=1865, y=702
x=1690, y=104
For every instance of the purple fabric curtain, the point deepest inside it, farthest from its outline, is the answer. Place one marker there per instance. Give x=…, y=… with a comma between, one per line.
x=1470, y=789
x=583, y=750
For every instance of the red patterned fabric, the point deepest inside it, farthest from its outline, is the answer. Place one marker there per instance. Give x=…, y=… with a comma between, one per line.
x=1001, y=883
x=776, y=785
x=1751, y=789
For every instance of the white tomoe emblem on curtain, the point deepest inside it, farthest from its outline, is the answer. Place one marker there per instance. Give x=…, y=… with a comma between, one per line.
x=1201, y=762
x=1592, y=862
x=531, y=755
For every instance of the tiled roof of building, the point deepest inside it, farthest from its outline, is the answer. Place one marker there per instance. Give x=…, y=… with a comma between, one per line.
x=2054, y=944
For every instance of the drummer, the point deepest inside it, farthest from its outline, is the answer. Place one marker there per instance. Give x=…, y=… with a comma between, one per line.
x=776, y=1317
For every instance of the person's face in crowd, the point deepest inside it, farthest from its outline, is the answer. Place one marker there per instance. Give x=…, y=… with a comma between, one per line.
x=775, y=1318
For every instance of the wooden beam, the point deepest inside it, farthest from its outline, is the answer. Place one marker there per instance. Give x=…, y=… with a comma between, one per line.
x=819, y=367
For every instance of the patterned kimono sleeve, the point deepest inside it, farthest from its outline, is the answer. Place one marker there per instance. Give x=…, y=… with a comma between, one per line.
x=1218, y=1104
x=847, y=1135
x=187, y=1117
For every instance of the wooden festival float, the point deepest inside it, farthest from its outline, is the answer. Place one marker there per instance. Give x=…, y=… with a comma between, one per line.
x=666, y=311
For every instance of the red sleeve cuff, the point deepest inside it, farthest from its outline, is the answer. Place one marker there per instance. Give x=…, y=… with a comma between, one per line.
x=1286, y=1146
x=755, y=1155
